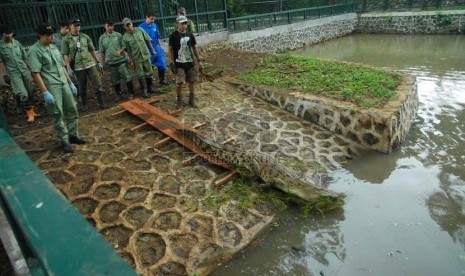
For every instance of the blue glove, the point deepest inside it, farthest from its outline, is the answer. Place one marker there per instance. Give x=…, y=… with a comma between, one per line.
x=100, y=67
x=48, y=98
x=70, y=71
x=73, y=88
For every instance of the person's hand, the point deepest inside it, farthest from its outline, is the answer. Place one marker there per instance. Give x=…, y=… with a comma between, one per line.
x=73, y=89
x=100, y=67
x=70, y=71
x=48, y=98
x=200, y=65
x=173, y=68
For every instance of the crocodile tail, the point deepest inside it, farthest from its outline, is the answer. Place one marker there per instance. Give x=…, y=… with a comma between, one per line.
x=187, y=133
x=201, y=141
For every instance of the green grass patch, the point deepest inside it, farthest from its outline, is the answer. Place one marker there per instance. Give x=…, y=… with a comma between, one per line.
x=248, y=194
x=366, y=87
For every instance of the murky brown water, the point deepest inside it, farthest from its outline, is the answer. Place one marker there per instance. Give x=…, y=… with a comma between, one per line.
x=405, y=212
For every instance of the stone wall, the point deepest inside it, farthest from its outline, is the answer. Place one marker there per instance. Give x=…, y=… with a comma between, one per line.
x=432, y=22
x=381, y=129
x=293, y=36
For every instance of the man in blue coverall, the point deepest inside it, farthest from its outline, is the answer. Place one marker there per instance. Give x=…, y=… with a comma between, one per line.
x=158, y=60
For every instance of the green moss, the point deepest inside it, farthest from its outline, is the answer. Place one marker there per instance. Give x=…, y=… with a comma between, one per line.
x=247, y=194
x=363, y=86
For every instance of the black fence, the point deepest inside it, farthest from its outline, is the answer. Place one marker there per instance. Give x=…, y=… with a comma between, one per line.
x=406, y=5
x=208, y=15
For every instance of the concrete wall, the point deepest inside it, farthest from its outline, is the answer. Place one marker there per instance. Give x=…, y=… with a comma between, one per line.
x=288, y=37
x=432, y=22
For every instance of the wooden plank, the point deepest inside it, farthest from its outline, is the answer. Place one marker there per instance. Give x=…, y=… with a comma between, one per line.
x=230, y=176
x=167, y=124
x=229, y=141
x=162, y=142
x=138, y=126
x=118, y=113
x=124, y=111
x=196, y=127
x=190, y=160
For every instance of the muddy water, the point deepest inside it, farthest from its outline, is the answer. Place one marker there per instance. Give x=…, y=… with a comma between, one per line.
x=405, y=212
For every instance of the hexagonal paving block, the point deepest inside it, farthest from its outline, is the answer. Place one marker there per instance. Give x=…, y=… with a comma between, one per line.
x=150, y=247
x=117, y=235
x=137, y=216
x=166, y=221
x=110, y=211
x=85, y=205
x=107, y=191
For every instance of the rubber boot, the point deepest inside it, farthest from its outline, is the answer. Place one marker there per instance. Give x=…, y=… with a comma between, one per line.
x=117, y=88
x=179, y=104
x=149, y=83
x=143, y=90
x=84, y=101
x=130, y=87
x=34, y=112
x=192, y=100
x=99, y=95
x=161, y=77
x=19, y=105
x=30, y=114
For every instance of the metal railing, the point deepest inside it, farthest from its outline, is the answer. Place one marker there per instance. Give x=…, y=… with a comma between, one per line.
x=22, y=18
x=399, y=5
x=285, y=17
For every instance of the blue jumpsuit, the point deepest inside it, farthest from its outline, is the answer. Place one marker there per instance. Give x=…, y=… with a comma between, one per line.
x=154, y=34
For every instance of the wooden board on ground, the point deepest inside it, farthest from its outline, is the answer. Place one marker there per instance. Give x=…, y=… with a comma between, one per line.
x=167, y=124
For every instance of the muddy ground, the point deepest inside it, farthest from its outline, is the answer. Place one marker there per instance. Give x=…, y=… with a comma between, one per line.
x=218, y=63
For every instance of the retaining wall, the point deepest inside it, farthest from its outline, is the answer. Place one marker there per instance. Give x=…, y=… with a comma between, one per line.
x=431, y=22
x=381, y=129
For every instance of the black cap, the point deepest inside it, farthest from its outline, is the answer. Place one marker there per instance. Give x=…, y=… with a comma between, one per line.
x=45, y=29
x=4, y=29
x=74, y=20
x=108, y=21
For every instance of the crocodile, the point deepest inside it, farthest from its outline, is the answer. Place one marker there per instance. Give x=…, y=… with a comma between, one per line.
x=268, y=169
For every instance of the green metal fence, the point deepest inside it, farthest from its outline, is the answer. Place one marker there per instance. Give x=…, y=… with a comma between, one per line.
x=380, y=5
x=209, y=15
x=285, y=17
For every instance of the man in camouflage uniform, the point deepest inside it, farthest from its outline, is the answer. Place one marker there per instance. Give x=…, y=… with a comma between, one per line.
x=136, y=43
x=50, y=75
x=13, y=57
x=110, y=43
x=81, y=59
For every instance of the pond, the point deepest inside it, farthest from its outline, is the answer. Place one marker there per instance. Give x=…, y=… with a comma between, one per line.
x=405, y=211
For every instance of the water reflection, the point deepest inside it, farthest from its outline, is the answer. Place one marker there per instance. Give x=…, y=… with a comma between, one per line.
x=405, y=211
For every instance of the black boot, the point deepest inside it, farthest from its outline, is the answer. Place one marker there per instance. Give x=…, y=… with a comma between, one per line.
x=84, y=101
x=161, y=77
x=117, y=88
x=130, y=87
x=76, y=140
x=99, y=95
x=179, y=104
x=19, y=104
x=192, y=100
x=142, y=88
x=149, y=83
x=66, y=146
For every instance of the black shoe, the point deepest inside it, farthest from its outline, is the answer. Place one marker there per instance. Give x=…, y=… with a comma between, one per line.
x=67, y=147
x=76, y=140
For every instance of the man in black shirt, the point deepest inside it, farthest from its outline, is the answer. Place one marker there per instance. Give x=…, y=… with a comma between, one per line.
x=183, y=49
